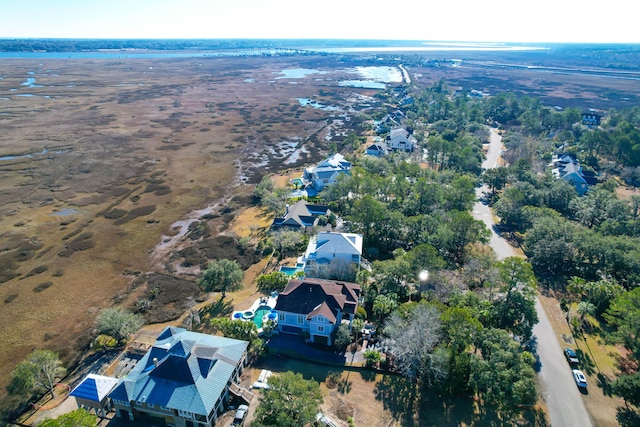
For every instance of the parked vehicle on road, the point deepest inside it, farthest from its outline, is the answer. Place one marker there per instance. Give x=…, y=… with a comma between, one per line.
x=580, y=379
x=572, y=356
x=241, y=413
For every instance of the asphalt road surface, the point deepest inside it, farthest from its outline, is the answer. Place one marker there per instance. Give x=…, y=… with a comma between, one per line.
x=564, y=400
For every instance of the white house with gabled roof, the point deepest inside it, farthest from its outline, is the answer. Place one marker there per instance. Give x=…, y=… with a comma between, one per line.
x=329, y=248
x=327, y=171
x=401, y=140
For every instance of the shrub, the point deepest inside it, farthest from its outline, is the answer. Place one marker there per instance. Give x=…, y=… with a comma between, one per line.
x=372, y=358
x=104, y=342
x=42, y=286
x=115, y=213
x=118, y=323
x=275, y=281
x=37, y=270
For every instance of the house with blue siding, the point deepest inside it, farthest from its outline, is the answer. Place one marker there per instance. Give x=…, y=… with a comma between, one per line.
x=317, y=307
x=568, y=168
x=182, y=381
x=327, y=171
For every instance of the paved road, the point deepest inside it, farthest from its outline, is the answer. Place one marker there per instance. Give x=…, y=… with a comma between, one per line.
x=563, y=399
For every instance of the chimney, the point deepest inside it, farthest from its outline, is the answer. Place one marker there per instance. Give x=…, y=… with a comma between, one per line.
x=155, y=362
x=286, y=209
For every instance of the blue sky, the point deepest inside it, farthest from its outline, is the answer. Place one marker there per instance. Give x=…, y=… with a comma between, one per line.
x=451, y=20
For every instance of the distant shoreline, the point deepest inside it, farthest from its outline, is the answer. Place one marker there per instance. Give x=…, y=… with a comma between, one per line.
x=202, y=47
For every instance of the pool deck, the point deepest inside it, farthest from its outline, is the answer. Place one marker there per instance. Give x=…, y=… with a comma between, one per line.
x=269, y=301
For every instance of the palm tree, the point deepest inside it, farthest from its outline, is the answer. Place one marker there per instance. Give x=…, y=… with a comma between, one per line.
x=584, y=308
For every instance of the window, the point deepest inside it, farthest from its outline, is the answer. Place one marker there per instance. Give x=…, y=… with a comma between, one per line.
x=185, y=414
x=320, y=319
x=300, y=319
x=281, y=317
x=320, y=328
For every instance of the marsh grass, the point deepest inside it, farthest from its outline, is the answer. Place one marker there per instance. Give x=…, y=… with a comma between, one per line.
x=112, y=141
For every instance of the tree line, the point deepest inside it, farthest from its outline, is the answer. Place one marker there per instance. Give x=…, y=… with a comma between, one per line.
x=586, y=248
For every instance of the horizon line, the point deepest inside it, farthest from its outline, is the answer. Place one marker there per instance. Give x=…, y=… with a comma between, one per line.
x=424, y=41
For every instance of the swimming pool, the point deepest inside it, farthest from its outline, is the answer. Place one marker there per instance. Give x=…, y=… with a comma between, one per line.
x=259, y=314
x=290, y=271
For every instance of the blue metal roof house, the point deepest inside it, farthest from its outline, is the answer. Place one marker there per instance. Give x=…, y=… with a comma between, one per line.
x=182, y=381
x=92, y=393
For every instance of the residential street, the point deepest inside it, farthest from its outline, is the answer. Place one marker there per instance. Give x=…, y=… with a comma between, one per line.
x=563, y=399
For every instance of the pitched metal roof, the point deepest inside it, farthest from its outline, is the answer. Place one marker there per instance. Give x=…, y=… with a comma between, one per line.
x=301, y=214
x=336, y=162
x=94, y=387
x=337, y=243
x=183, y=370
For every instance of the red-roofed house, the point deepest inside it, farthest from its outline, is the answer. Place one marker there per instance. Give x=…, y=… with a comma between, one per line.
x=316, y=306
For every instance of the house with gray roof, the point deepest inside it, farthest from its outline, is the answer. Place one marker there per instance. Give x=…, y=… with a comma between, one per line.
x=182, y=381
x=301, y=216
x=400, y=139
x=389, y=121
x=377, y=149
x=328, y=250
x=317, y=307
x=327, y=171
x=568, y=168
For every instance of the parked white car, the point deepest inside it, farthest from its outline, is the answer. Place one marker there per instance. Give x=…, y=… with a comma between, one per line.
x=241, y=413
x=580, y=379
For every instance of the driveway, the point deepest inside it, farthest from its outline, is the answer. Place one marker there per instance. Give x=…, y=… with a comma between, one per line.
x=294, y=346
x=564, y=402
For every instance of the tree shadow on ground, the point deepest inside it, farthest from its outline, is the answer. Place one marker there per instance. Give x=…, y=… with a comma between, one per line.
x=368, y=375
x=337, y=380
x=220, y=308
x=400, y=397
x=344, y=385
x=489, y=415
x=628, y=417
x=413, y=406
x=587, y=364
x=532, y=347
x=604, y=382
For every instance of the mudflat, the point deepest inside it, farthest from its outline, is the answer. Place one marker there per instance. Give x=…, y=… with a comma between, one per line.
x=106, y=164
x=100, y=160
